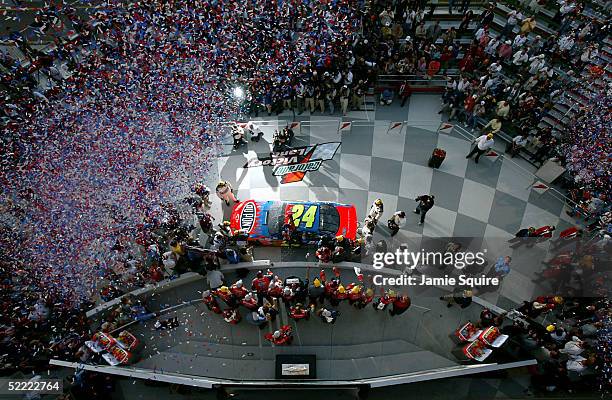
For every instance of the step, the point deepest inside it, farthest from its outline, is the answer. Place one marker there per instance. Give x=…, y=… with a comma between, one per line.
x=562, y=108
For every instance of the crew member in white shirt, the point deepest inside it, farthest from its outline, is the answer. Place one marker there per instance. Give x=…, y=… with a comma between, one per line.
x=483, y=143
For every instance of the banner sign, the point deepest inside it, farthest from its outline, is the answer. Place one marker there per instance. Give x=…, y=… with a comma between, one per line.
x=396, y=126
x=345, y=127
x=293, y=164
x=540, y=187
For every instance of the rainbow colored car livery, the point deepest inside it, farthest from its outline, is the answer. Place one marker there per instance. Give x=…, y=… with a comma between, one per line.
x=264, y=220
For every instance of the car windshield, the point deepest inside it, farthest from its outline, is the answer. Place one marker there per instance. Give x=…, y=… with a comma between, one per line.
x=276, y=218
x=329, y=219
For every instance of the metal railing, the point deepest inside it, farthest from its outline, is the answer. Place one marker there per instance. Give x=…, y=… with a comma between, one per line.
x=436, y=80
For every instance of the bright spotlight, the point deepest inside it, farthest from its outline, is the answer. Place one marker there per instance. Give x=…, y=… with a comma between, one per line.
x=238, y=93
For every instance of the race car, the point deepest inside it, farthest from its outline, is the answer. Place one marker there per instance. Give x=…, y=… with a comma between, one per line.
x=266, y=222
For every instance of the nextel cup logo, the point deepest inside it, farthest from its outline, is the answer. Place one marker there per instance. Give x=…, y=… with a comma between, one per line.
x=247, y=216
x=293, y=164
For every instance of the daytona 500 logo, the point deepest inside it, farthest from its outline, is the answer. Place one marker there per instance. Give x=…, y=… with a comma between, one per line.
x=293, y=164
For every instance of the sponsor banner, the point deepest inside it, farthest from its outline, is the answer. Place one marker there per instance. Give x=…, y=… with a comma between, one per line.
x=395, y=127
x=292, y=165
x=540, y=187
x=345, y=127
x=295, y=126
x=492, y=155
x=289, y=169
x=445, y=127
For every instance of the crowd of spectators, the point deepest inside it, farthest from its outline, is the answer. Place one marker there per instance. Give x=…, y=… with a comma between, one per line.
x=34, y=323
x=507, y=81
x=568, y=338
x=105, y=128
x=510, y=82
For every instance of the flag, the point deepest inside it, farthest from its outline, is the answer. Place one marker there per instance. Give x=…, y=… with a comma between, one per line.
x=395, y=126
x=445, y=127
x=540, y=187
x=358, y=273
x=492, y=155
x=295, y=125
x=345, y=127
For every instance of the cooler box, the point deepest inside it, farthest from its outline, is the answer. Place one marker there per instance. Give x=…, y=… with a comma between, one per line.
x=437, y=157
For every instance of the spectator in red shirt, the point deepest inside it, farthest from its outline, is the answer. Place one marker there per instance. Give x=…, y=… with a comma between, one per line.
x=433, y=68
x=445, y=58
x=505, y=50
x=467, y=63
x=404, y=92
x=469, y=103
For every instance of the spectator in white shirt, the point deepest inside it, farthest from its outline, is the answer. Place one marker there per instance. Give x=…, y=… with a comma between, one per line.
x=589, y=54
x=503, y=109
x=517, y=143
x=463, y=85
x=578, y=364
x=480, y=33
x=519, y=57
x=566, y=7
x=537, y=62
x=566, y=43
x=495, y=68
x=386, y=17
x=514, y=17
x=535, y=46
x=574, y=347
x=492, y=46
x=519, y=41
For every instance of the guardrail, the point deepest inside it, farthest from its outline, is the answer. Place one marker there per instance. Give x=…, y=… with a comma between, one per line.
x=436, y=80
x=160, y=287
x=212, y=383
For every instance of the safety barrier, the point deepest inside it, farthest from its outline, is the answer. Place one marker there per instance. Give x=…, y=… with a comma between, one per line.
x=214, y=383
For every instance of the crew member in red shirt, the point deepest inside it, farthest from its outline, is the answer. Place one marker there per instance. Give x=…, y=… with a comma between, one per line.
x=288, y=295
x=338, y=295
x=298, y=312
x=283, y=336
x=261, y=282
x=400, y=305
x=324, y=254
x=566, y=236
x=544, y=232
x=226, y=295
x=383, y=301
x=238, y=290
x=232, y=316
x=366, y=298
x=354, y=292
x=331, y=286
x=211, y=302
x=275, y=289
x=249, y=301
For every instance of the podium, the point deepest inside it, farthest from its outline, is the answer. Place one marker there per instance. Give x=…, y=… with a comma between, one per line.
x=298, y=366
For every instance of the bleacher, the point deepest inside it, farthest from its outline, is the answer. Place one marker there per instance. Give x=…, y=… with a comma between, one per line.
x=580, y=87
x=576, y=96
